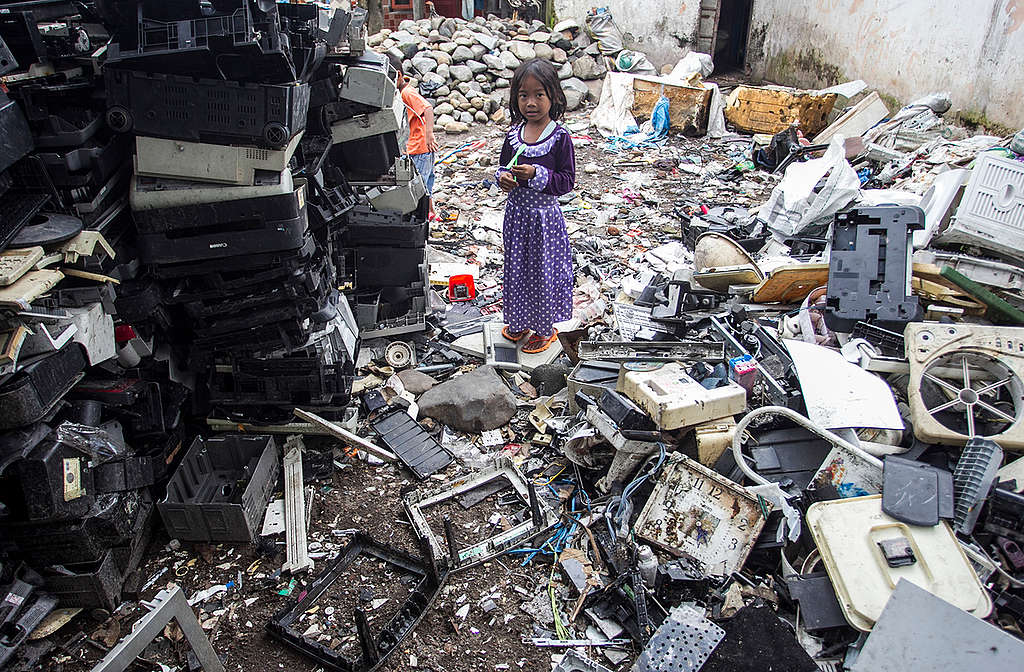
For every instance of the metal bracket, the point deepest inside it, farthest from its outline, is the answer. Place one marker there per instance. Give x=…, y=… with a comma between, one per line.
x=166, y=606
x=295, y=509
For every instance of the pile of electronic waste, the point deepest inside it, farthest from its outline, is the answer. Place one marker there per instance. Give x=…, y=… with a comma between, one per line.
x=184, y=187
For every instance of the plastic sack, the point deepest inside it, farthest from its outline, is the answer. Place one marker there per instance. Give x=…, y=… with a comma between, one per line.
x=659, y=118
x=939, y=103
x=601, y=28
x=613, y=115
x=91, y=441
x=795, y=206
x=691, y=63
x=634, y=62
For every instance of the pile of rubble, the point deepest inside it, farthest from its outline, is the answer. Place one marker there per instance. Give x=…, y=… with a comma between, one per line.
x=464, y=68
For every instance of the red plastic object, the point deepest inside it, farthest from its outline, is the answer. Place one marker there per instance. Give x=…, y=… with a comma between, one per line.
x=124, y=332
x=461, y=288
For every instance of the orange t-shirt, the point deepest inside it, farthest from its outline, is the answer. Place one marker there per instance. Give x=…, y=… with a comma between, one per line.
x=416, y=106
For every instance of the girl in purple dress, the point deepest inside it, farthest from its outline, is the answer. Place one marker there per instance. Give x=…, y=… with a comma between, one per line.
x=537, y=166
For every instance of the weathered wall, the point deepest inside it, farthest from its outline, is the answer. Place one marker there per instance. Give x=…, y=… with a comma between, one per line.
x=903, y=48
x=662, y=29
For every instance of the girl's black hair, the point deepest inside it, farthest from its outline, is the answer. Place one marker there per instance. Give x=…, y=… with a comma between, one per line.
x=544, y=73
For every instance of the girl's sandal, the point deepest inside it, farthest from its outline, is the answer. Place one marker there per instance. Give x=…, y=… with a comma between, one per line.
x=538, y=343
x=516, y=337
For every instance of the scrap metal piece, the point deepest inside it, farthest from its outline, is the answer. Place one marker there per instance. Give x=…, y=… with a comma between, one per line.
x=345, y=435
x=575, y=662
x=416, y=448
x=295, y=508
x=631, y=351
x=931, y=634
x=168, y=604
x=696, y=512
x=683, y=643
x=286, y=626
x=445, y=551
x=548, y=642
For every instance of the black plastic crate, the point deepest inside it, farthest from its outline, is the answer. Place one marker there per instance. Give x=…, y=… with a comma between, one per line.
x=243, y=329
x=95, y=584
x=367, y=226
x=366, y=159
x=205, y=110
x=389, y=266
x=99, y=584
x=308, y=290
x=31, y=393
x=238, y=43
x=288, y=381
x=88, y=166
x=225, y=229
x=217, y=287
x=221, y=489
x=111, y=522
x=15, y=132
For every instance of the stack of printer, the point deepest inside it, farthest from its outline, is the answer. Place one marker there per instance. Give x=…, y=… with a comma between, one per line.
x=221, y=198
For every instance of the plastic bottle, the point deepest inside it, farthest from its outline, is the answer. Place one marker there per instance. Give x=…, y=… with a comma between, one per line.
x=1017, y=144
x=648, y=565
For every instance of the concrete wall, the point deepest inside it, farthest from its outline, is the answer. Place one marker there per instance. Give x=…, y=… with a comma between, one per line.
x=902, y=48
x=662, y=29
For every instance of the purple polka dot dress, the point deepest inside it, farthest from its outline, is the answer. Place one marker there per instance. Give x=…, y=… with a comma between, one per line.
x=538, y=261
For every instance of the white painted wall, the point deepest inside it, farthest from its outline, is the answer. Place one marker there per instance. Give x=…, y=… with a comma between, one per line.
x=662, y=29
x=904, y=48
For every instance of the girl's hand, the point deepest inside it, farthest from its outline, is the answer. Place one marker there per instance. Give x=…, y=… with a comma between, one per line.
x=524, y=171
x=506, y=181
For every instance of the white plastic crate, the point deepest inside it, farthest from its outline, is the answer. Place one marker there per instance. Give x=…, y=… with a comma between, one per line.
x=991, y=212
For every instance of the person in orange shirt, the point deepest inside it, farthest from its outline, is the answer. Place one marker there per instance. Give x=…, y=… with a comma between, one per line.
x=421, y=145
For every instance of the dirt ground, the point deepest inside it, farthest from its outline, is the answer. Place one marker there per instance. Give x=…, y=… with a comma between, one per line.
x=369, y=497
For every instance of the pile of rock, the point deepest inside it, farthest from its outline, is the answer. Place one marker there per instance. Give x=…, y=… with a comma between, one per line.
x=464, y=68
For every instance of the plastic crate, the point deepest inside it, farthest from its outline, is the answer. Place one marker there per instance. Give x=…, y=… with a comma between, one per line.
x=205, y=110
x=99, y=584
x=225, y=229
x=96, y=584
x=221, y=489
x=991, y=212
x=366, y=226
x=389, y=266
x=31, y=393
x=287, y=381
x=111, y=522
x=242, y=44
x=15, y=132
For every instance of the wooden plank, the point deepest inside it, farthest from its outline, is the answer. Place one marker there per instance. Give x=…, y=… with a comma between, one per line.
x=857, y=119
x=345, y=435
x=771, y=110
x=687, y=105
